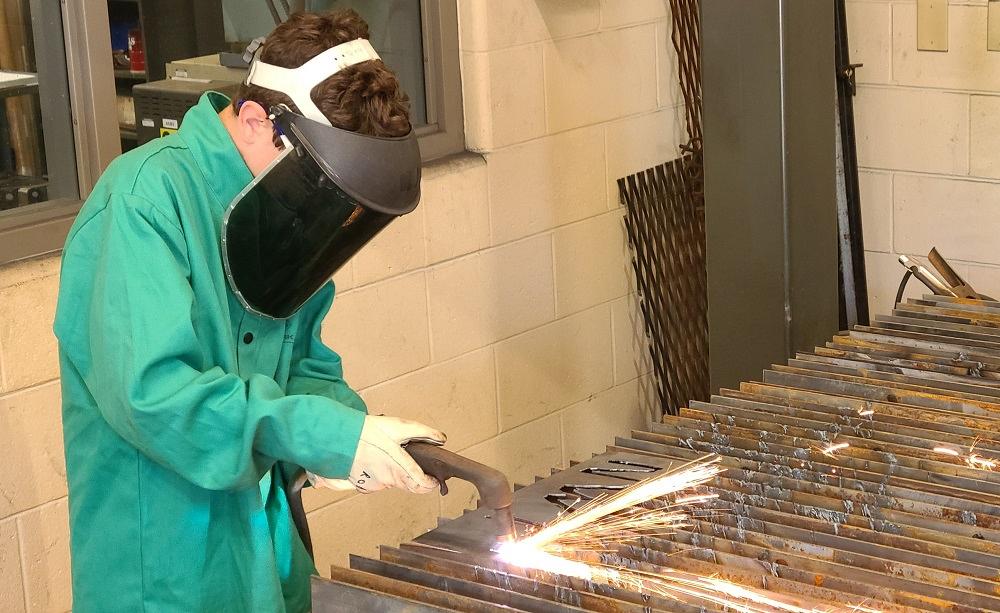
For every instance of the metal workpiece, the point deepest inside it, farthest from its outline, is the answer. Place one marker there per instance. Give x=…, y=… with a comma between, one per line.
x=861, y=475
x=926, y=277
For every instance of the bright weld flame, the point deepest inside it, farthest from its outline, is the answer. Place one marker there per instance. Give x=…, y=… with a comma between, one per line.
x=608, y=521
x=972, y=459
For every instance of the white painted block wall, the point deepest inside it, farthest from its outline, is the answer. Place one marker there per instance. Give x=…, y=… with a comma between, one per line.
x=928, y=129
x=501, y=310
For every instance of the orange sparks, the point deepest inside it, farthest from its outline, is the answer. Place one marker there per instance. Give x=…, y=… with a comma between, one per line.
x=972, y=459
x=976, y=461
x=695, y=499
x=947, y=451
x=567, y=546
x=829, y=450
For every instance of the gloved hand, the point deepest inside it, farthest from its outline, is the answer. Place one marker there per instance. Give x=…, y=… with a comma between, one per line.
x=381, y=462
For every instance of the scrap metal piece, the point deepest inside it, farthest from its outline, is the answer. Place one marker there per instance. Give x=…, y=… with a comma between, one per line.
x=952, y=278
x=926, y=277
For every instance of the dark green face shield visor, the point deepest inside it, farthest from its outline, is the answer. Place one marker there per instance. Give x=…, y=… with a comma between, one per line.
x=328, y=193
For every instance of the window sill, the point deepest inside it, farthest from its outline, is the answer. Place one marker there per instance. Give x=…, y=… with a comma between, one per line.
x=36, y=230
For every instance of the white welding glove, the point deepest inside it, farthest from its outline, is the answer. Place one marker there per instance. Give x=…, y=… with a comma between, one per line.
x=381, y=462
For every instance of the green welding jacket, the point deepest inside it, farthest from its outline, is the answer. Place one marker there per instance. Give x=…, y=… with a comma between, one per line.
x=184, y=415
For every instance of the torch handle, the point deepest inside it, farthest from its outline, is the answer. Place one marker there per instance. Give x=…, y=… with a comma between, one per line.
x=494, y=490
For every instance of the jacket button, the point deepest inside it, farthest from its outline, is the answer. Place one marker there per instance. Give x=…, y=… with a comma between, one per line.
x=248, y=338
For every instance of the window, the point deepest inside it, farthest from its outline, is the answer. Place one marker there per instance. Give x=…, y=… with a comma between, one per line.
x=135, y=66
x=37, y=155
x=147, y=49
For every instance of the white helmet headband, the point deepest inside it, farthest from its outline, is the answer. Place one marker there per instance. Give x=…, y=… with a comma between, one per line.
x=298, y=83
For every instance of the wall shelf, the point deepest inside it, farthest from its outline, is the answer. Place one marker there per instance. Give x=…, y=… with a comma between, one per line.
x=138, y=75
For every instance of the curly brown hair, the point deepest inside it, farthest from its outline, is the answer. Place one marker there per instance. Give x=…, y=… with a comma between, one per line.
x=363, y=98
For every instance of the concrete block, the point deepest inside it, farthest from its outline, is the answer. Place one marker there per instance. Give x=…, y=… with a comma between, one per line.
x=545, y=183
x=458, y=397
x=512, y=113
x=45, y=535
x=876, y=209
x=397, y=249
x=637, y=143
x=486, y=24
x=869, y=30
x=959, y=217
x=380, y=331
x=315, y=498
x=668, y=92
x=476, y=101
x=590, y=263
x=34, y=468
x=909, y=129
x=521, y=454
x=631, y=344
x=589, y=426
x=617, y=13
x=343, y=279
x=11, y=584
x=985, y=134
x=547, y=369
x=884, y=274
x=456, y=207
x=600, y=77
x=966, y=65
x=24, y=271
x=363, y=522
x=488, y=296
x=27, y=310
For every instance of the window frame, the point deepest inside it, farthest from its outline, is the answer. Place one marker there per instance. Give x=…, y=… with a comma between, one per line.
x=80, y=95
x=444, y=133
x=85, y=96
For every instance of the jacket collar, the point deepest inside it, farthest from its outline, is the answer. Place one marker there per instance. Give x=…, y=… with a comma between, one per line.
x=213, y=148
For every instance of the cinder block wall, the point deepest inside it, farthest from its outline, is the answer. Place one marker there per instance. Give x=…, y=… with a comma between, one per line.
x=928, y=128
x=500, y=311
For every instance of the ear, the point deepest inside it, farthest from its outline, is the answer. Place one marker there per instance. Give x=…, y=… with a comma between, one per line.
x=253, y=123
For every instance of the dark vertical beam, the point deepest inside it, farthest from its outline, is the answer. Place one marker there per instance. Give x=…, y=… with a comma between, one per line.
x=53, y=97
x=770, y=184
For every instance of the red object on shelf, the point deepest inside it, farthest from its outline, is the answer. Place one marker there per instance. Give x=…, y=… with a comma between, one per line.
x=136, y=52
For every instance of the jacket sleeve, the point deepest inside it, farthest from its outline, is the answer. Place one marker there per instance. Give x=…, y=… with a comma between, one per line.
x=316, y=369
x=133, y=341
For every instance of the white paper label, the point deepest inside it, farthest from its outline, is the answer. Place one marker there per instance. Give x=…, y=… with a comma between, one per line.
x=170, y=123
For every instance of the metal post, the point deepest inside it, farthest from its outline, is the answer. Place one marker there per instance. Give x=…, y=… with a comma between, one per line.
x=53, y=95
x=91, y=88
x=770, y=181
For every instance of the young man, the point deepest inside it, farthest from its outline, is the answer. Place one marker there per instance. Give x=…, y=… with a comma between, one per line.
x=194, y=378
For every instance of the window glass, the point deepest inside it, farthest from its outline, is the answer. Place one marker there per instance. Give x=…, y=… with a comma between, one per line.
x=25, y=176
x=167, y=52
x=394, y=27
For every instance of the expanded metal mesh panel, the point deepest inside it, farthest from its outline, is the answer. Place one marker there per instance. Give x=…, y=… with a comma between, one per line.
x=666, y=231
x=686, y=38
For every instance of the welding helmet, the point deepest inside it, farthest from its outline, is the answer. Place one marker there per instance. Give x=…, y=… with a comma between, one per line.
x=327, y=194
